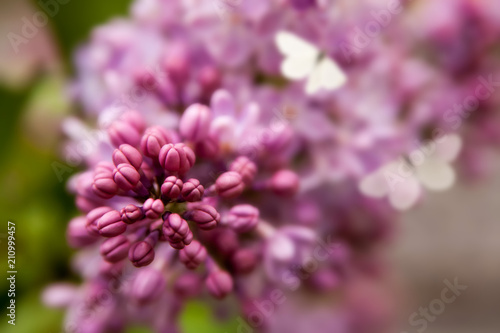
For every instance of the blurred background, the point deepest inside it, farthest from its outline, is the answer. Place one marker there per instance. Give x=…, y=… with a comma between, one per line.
x=450, y=236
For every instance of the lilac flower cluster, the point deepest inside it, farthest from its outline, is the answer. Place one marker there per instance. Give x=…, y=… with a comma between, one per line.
x=228, y=174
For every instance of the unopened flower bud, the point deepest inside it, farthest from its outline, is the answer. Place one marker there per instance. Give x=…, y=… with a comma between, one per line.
x=219, y=283
x=148, y=285
x=143, y=253
x=195, y=122
x=176, y=231
x=176, y=158
x=115, y=249
x=205, y=216
x=188, y=285
x=229, y=185
x=77, y=233
x=193, y=255
x=127, y=154
x=153, y=208
x=243, y=261
x=131, y=213
x=285, y=183
x=171, y=187
x=104, y=185
x=242, y=218
x=93, y=216
x=126, y=177
x=111, y=224
x=153, y=139
x=192, y=190
x=121, y=132
x=245, y=167
x=135, y=119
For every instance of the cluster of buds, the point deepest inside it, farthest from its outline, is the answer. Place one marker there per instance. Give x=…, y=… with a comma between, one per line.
x=149, y=195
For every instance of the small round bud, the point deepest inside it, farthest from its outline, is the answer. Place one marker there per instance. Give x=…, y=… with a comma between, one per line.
x=135, y=119
x=176, y=158
x=195, y=122
x=111, y=224
x=93, y=216
x=141, y=253
x=153, y=139
x=205, y=216
x=176, y=231
x=148, y=285
x=153, y=208
x=229, y=185
x=115, y=249
x=245, y=167
x=192, y=190
x=193, y=255
x=131, y=213
x=285, y=183
x=128, y=155
x=77, y=233
x=171, y=187
x=126, y=177
x=243, y=261
x=121, y=132
x=242, y=218
x=188, y=285
x=104, y=185
x=219, y=284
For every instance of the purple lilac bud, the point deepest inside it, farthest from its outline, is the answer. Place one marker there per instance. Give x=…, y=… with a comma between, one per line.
x=242, y=218
x=192, y=190
x=115, y=249
x=93, y=216
x=104, y=185
x=188, y=285
x=195, y=122
x=134, y=119
x=245, y=167
x=143, y=253
x=77, y=233
x=177, y=64
x=153, y=208
x=131, y=213
x=207, y=148
x=148, y=285
x=243, y=261
x=227, y=242
x=128, y=155
x=153, y=139
x=111, y=224
x=176, y=231
x=219, y=283
x=285, y=183
x=209, y=79
x=205, y=216
x=121, y=132
x=126, y=177
x=229, y=185
x=171, y=187
x=176, y=158
x=193, y=254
